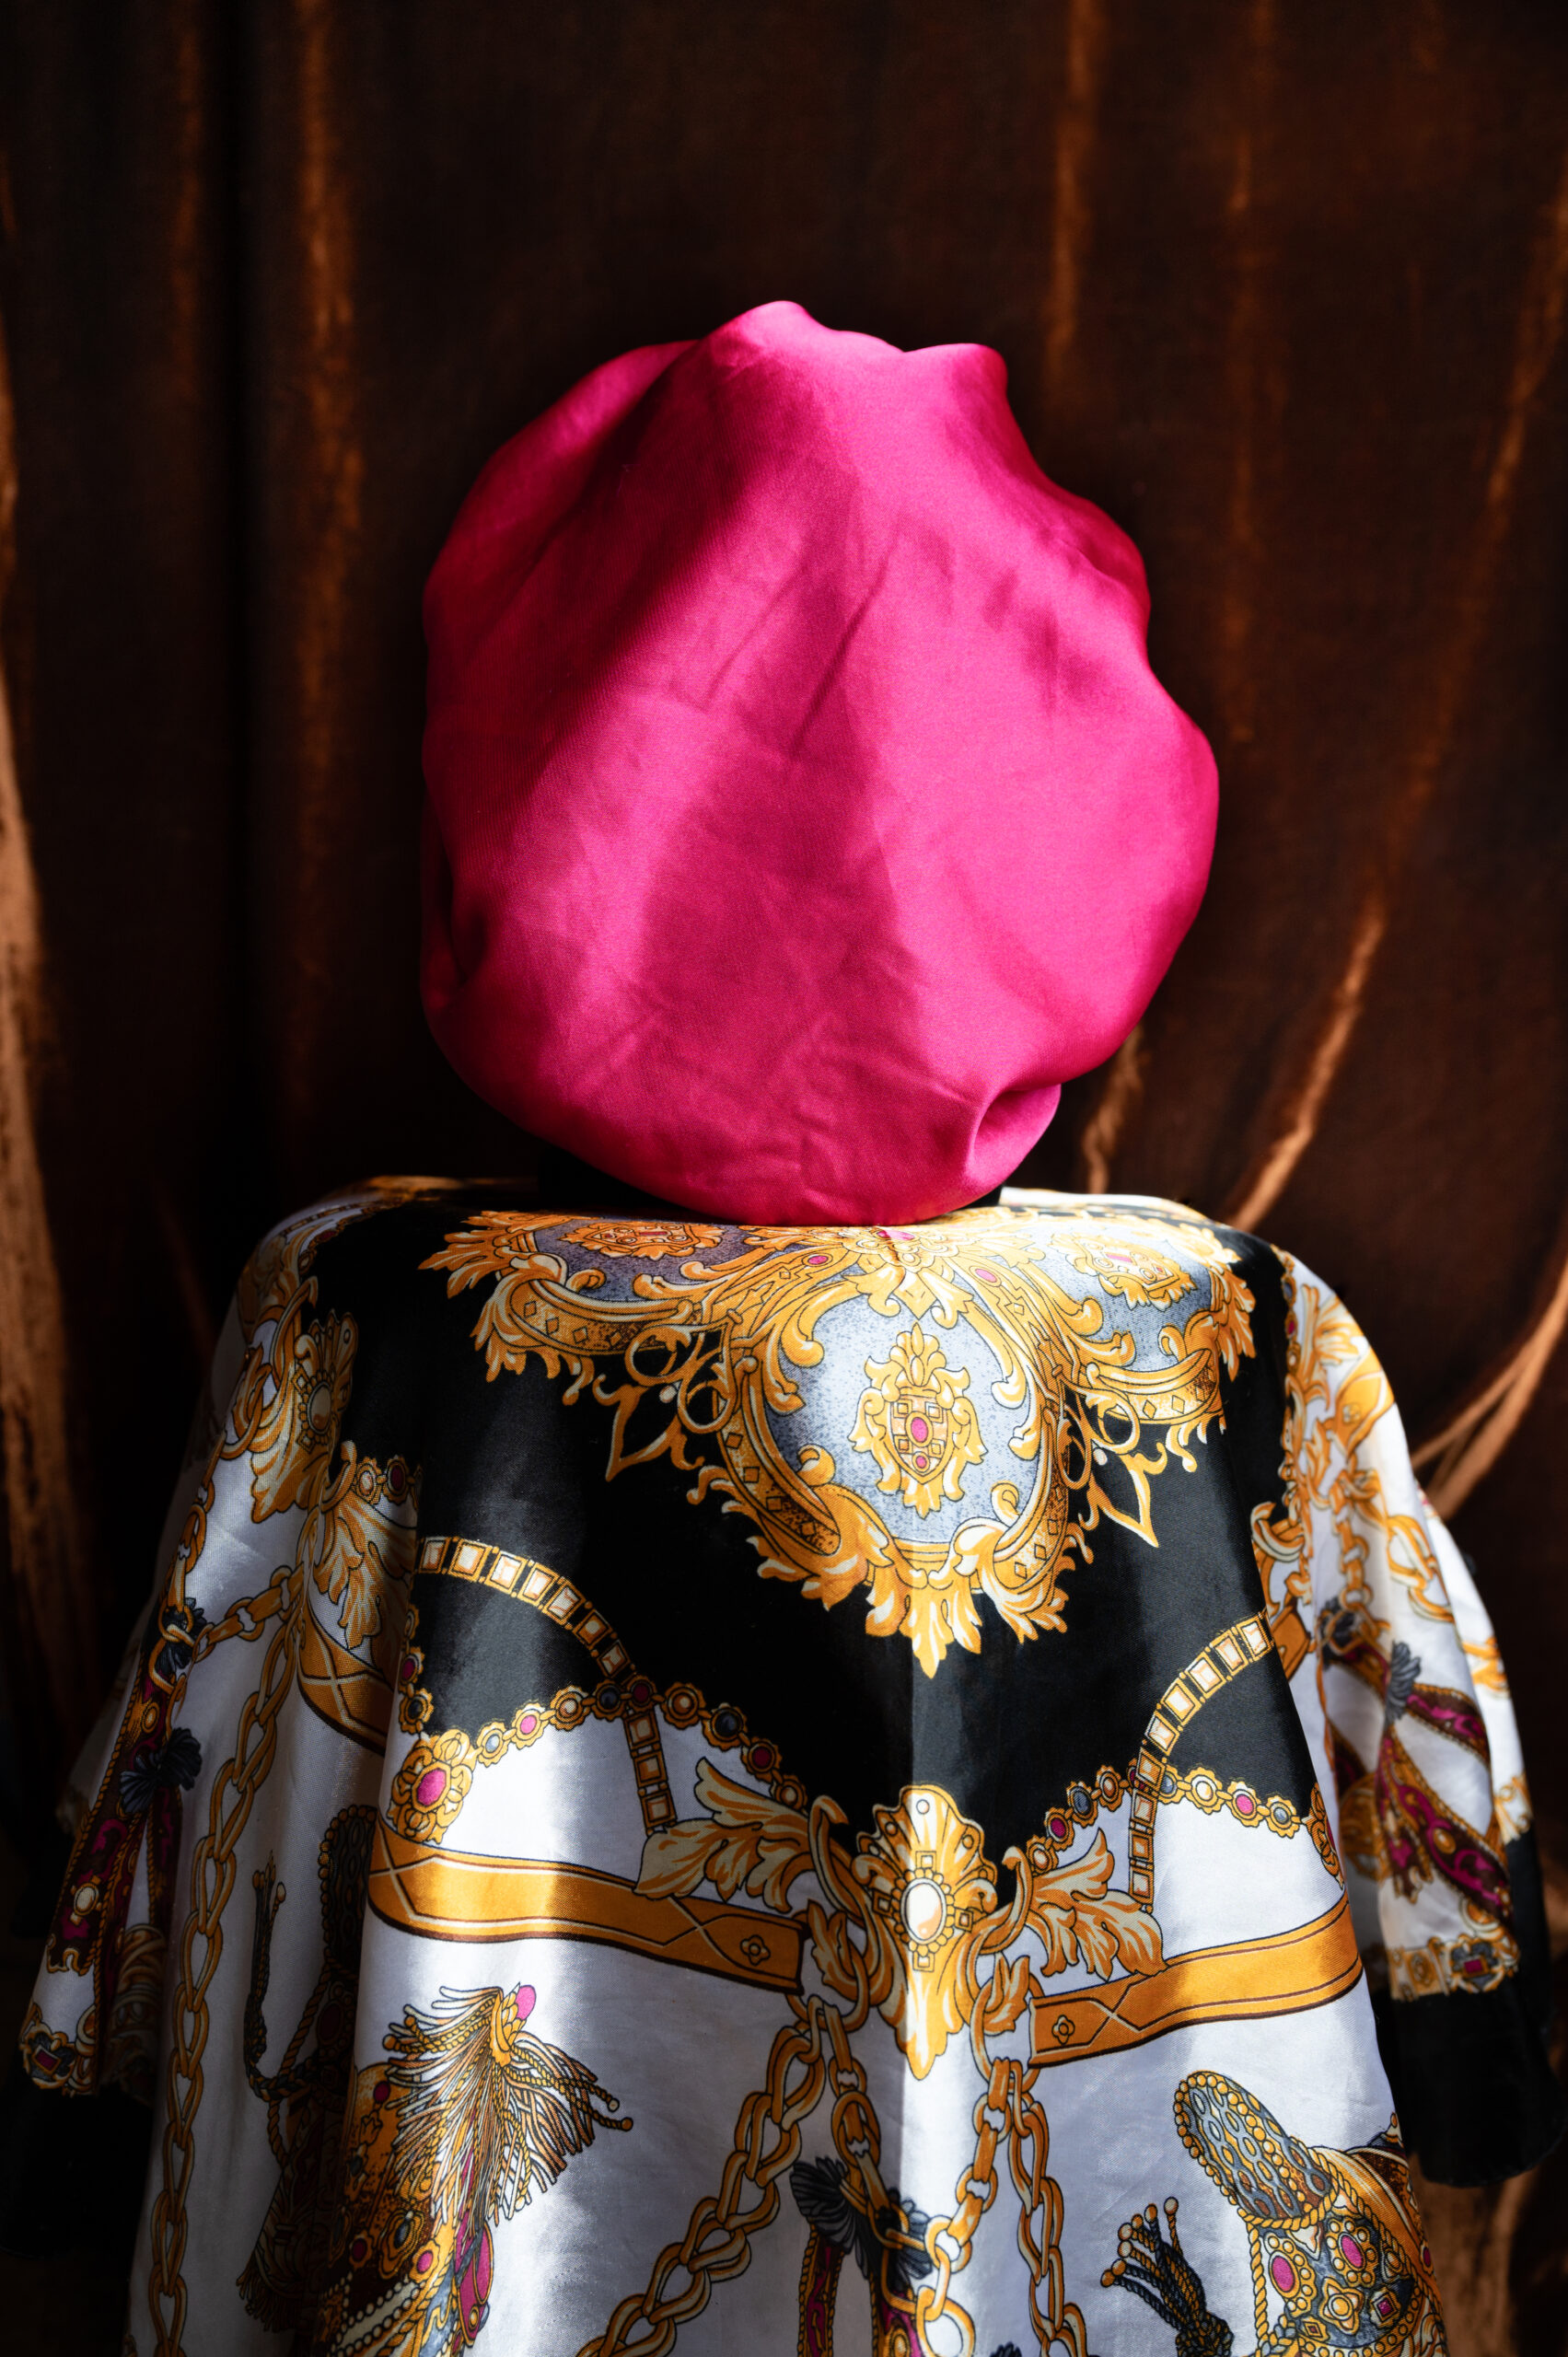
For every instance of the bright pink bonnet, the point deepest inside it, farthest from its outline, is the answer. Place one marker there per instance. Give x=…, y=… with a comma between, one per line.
x=802, y=808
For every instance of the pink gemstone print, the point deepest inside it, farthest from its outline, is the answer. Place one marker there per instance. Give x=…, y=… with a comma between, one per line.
x=430, y=1787
x=1284, y=2273
x=523, y=2000
x=919, y=1428
x=1353, y=2250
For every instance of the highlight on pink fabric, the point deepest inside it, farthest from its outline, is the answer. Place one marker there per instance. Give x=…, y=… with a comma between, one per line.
x=802, y=809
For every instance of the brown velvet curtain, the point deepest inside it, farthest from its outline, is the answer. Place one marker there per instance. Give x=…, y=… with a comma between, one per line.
x=1283, y=286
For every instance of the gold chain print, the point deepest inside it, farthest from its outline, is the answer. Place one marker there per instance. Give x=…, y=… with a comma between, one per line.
x=910, y=1927
x=980, y=1419
x=289, y=1406
x=811, y=2056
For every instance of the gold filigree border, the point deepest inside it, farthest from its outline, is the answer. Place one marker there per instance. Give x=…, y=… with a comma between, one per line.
x=719, y=1347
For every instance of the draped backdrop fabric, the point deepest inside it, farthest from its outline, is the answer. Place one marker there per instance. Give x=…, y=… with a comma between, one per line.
x=1283, y=291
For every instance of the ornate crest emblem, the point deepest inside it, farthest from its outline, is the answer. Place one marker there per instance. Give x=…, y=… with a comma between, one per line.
x=708, y=1365
x=922, y=1898
x=1140, y=1275
x=917, y=1423
x=645, y=1239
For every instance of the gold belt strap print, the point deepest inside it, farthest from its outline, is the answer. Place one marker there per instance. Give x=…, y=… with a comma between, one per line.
x=1285, y=1972
x=458, y=1895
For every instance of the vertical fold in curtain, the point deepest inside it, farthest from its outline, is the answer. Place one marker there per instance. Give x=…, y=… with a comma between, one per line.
x=48, y=1612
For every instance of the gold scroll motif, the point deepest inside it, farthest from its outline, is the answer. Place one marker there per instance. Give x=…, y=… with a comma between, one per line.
x=1336, y=1393
x=357, y=1550
x=910, y=1922
x=718, y=1349
x=922, y=1886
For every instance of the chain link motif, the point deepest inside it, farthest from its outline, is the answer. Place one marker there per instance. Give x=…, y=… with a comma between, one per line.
x=248, y=1618
x=717, y=2242
x=811, y=2054
x=1058, y=2321
x=815, y=2047
x=235, y=1787
x=211, y=1880
x=1005, y=2112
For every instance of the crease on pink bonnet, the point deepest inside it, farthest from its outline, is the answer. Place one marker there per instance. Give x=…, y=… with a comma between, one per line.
x=802, y=809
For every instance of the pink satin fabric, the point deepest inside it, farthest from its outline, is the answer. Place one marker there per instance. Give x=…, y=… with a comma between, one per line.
x=802, y=809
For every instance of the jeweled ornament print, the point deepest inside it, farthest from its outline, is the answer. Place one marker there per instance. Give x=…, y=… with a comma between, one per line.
x=688, y=1784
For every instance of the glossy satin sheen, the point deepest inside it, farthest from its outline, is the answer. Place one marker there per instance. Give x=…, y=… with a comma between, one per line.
x=649, y=1725
x=802, y=807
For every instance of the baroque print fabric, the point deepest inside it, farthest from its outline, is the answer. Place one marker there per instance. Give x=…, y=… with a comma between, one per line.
x=694, y=1787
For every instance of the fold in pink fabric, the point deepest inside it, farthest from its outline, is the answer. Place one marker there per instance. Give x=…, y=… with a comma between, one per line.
x=802, y=809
